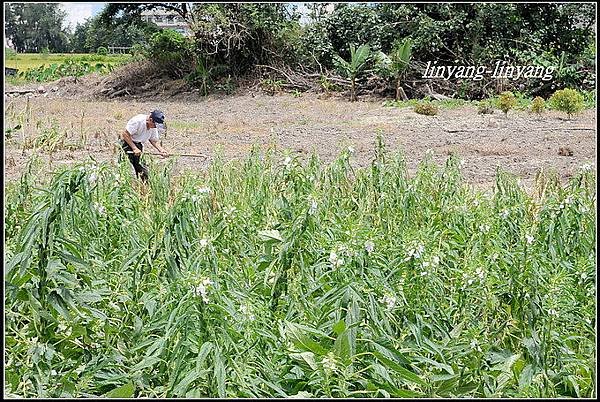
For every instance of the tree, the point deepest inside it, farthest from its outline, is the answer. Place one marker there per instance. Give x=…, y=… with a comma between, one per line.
x=32, y=27
x=358, y=60
x=396, y=65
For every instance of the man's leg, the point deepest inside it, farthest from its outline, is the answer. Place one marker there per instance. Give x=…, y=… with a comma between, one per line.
x=140, y=170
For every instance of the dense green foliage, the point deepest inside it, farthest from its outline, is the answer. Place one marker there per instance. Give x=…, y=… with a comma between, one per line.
x=232, y=40
x=266, y=278
x=68, y=68
x=31, y=27
x=567, y=100
x=93, y=33
x=467, y=34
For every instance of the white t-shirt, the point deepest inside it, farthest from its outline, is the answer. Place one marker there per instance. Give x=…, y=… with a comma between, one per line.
x=136, y=126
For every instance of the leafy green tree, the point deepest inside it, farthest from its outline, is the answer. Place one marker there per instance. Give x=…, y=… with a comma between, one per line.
x=352, y=68
x=31, y=27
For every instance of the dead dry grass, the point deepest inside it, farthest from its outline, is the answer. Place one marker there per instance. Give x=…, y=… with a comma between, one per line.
x=306, y=124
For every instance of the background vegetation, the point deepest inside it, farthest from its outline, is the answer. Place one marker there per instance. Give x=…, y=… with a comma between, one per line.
x=231, y=41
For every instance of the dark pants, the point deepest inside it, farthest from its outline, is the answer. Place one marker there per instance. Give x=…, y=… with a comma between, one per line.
x=141, y=171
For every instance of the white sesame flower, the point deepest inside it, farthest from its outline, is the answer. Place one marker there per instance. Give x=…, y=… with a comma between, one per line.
x=335, y=260
x=246, y=311
x=287, y=161
x=435, y=260
x=369, y=246
x=329, y=362
x=504, y=213
x=583, y=276
x=484, y=228
x=425, y=264
x=553, y=312
x=470, y=282
x=529, y=239
x=350, y=150
x=480, y=272
x=417, y=251
x=475, y=345
x=589, y=321
x=586, y=167
x=423, y=273
x=202, y=289
x=476, y=202
x=203, y=243
x=100, y=208
x=92, y=177
x=389, y=301
x=229, y=211
x=204, y=190
x=313, y=207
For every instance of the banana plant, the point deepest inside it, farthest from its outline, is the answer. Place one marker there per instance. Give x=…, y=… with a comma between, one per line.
x=397, y=64
x=352, y=68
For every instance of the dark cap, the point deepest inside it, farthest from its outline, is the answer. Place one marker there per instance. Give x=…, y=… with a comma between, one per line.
x=158, y=117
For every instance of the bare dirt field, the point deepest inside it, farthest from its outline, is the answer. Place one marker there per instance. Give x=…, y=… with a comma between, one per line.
x=519, y=143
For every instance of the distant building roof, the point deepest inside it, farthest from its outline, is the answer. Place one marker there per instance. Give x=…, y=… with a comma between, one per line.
x=167, y=19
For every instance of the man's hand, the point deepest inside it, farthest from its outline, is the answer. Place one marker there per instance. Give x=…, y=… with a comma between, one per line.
x=137, y=152
x=164, y=153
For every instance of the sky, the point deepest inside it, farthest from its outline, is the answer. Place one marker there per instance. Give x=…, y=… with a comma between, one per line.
x=78, y=12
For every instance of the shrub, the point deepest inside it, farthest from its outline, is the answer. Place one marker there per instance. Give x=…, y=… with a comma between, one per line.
x=485, y=107
x=9, y=54
x=103, y=51
x=172, y=52
x=507, y=101
x=139, y=51
x=538, y=105
x=567, y=100
x=426, y=108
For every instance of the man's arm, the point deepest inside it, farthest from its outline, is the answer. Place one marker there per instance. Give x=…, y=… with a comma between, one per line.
x=160, y=149
x=127, y=138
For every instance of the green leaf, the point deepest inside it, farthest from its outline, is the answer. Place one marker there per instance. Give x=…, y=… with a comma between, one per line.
x=270, y=236
x=401, y=371
x=339, y=327
x=124, y=391
x=219, y=373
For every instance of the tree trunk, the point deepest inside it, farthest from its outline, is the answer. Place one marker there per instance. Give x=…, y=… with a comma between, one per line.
x=400, y=94
x=352, y=90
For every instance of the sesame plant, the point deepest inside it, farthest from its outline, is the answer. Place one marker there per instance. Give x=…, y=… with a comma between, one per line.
x=276, y=277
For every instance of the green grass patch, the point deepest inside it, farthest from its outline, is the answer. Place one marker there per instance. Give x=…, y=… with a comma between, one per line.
x=442, y=104
x=183, y=125
x=27, y=61
x=523, y=102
